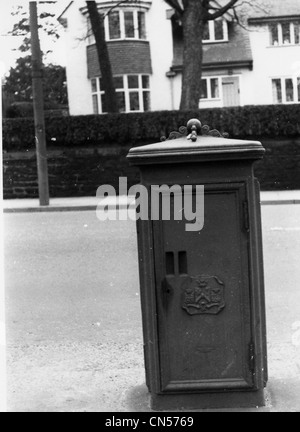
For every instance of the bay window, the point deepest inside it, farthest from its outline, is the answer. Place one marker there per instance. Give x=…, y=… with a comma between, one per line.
x=123, y=24
x=120, y=25
x=133, y=93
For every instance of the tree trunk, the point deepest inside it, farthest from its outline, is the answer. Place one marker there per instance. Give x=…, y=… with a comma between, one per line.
x=97, y=22
x=194, y=18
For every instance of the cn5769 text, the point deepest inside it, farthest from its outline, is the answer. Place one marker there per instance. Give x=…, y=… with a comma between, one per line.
x=171, y=421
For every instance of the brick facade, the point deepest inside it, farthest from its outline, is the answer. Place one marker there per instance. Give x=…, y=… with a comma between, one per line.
x=127, y=57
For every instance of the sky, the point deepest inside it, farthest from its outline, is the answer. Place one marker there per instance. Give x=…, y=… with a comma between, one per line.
x=8, y=43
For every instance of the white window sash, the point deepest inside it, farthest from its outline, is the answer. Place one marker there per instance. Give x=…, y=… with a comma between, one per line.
x=136, y=25
x=106, y=28
x=209, y=88
x=211, y=31
x=280, y=35
x=141, y=102
x=292, y=30
x=225, y=30
x=122, y=25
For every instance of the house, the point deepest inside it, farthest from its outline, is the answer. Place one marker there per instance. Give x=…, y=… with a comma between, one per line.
x=251, y=62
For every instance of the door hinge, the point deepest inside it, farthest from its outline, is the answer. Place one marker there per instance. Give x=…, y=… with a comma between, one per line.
x=252, y=357
x=246, y=216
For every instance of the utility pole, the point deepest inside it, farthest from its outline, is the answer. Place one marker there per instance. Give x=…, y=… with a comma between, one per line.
x=38, y=106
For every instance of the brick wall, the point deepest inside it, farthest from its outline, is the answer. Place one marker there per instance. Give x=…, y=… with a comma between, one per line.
x=127, y=57
x=280, y=168
x=80, y=171
x=72, y=172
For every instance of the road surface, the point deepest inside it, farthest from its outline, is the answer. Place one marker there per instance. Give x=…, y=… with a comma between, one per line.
x=74, y=336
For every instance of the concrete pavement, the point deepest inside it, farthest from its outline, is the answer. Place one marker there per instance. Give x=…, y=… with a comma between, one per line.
x=121, y=202
x=74, y=336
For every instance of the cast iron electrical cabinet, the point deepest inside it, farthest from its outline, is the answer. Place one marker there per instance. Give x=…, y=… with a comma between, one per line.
x=202, y=292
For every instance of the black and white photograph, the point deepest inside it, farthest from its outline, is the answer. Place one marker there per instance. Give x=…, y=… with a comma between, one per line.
x=150, y=209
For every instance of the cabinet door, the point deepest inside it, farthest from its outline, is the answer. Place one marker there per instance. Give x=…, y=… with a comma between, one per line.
x=203, y=297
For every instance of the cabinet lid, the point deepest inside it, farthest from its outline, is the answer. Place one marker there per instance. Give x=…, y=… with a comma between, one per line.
x=195, y=143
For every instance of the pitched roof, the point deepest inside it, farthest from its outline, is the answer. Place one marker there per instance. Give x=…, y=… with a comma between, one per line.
x=235, y=52
x=270, y=9
x=237, y=49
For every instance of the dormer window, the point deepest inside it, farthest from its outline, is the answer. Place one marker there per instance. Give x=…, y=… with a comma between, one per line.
x=285, y=33
x=215, y=31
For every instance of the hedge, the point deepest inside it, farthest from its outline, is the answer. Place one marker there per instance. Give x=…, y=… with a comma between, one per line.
x=270, y=121
x=25, y=110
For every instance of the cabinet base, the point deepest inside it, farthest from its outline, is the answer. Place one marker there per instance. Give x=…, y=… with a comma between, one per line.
x=194, y=401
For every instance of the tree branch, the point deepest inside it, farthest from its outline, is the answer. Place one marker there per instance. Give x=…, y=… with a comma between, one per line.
x=116, y=5
x=175, y=5
x=223, y=10
x=253, y=4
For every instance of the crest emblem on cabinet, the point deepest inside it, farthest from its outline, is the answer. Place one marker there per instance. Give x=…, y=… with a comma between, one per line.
x=203, y=294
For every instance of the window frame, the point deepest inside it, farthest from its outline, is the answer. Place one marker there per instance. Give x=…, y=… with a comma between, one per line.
x=279, y=26
x=137, y=30
x=283, y=88
x=209, y=88
x=212, y=33
x=127, y=90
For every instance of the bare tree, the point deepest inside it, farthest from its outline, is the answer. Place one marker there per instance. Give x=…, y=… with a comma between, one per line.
x=194, y=15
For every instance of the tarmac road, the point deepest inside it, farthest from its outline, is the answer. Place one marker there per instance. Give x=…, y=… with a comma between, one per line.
x=74, y=336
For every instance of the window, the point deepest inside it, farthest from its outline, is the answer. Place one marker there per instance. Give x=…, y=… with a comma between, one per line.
x=129, y=24
x=125, y=24
x=289, y=90
x=287, y=33
x=215, y=31
x=214, y=86
x=114, y=26
x=274, y=34
x=219, y=30
x=297, y=32
x=286, y=90
x=120, y=25
x=141, y=25
x=210, y=88
x=277, y=93
x=133, y=93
